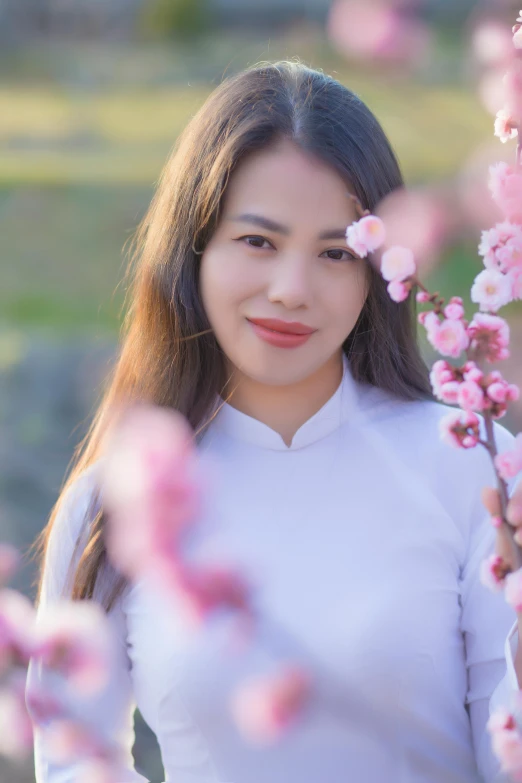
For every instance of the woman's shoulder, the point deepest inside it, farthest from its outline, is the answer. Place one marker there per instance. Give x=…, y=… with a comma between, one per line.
x=413, y=432
x=75, y=506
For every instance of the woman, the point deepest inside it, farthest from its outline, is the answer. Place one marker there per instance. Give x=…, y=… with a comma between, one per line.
x=364, y=532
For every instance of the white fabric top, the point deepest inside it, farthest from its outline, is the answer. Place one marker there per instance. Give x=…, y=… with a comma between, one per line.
x=365, y=539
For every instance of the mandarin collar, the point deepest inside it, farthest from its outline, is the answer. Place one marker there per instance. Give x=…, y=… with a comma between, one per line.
x=341, y=406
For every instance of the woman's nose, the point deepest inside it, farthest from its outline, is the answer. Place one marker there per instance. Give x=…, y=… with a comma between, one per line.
x=290, y=282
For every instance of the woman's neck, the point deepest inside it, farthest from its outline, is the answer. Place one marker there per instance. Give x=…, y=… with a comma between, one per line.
x=286, y=408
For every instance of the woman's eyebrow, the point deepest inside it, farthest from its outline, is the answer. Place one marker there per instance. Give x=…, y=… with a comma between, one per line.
x=272, y=225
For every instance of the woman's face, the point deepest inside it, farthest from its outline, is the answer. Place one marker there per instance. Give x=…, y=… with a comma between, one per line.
x=280, y=251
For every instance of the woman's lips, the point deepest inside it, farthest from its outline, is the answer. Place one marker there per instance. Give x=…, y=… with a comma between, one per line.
x=279, y=339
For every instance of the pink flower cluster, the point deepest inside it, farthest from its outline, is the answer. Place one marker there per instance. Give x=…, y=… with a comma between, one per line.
x=448, y=336
x=489, y=337
x=367, y=235
x=460, y=429
x=152, y=510
x=266, y=707
x=73, y=640
x=493, y=573
x=506, y=127
x=506, y=742
x=501, y=246
x=486, y=337
x=150, y=489
x=398, y=267
x=472, y=389
x=509, y=463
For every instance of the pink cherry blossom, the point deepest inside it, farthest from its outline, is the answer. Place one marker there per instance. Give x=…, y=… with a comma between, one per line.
x=449, y=392
x=505, y=126
x=448, y=337
x=513, y=590
x=398, y=291
x=444, y=382
x=509, y=463
x=151, y=490
x=470, y=396
x=441, y=373
x=147, y=520
x=355, y=241
x=429, y=319
x=454, y=310
x=506, y=741
x=472, y=373
x=16, y=730
x=265, y=707
x=490, y=239
x=509, y=256
x=366, y=235
x=501, y=246
x=422, y=297
x=493, y=573
x=75, y=638
x=501, y=720
x=377, y=31
x=491, y=290
x=489, y=336
x=507, y=746
x=397, y=263
x=505, y=185
x=497, y=392
x=516, y=283
x=460, y=429
x=203, y=590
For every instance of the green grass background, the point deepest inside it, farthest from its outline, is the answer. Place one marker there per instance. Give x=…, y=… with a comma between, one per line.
x=84, y=132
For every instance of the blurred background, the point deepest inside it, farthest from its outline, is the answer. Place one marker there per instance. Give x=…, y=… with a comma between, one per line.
x=92, y=96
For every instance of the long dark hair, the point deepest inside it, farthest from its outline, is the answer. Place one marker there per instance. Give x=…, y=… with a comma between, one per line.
x=169, y=355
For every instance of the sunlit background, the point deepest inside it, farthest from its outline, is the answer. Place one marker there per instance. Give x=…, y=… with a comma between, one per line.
x=92, y=96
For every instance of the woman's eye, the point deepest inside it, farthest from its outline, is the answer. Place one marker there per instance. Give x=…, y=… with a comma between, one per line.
x=340, y=255
x=253, y=241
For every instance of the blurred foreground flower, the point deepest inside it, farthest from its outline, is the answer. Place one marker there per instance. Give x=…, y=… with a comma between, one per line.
x=75, y=639
x=507, y=742
x=418, y=219
x=151, y=487
x=266, y=707
x=17, y=618
x=150, y=490
x=16, y=731
x=378, y=31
